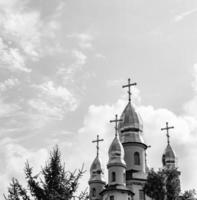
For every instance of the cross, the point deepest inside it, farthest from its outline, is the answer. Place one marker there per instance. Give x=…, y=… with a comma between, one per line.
x=97, y=144
x=167, y=129
x=129, y=87
x=116, y=120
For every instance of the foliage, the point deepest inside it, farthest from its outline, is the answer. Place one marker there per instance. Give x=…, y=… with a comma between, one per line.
x=172, y=183
x=188, y=195
x=154, y=186
x=52, y=183
x=163, y=183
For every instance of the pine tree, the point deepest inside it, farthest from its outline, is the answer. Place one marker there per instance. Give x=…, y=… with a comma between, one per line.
x=52, y=183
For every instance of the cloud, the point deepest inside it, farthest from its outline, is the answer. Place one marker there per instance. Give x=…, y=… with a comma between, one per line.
x=184, y=14
x=53, y=101
x=68, y=73
x=8, y=109
x=191, y=106
x=14, y=157
x=25, y=35
x=11, y=58
x=24, y=30
x=80, y=57
x=8, y=84
x=84, y=39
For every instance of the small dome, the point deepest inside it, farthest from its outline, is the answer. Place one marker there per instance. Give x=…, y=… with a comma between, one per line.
x=96, y=170
x=169, y=157
x=96, y=165
x=169, y=153
x=116, y=152
x=131, y=120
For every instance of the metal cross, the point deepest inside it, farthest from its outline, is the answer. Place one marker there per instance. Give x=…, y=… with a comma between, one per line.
x=116, y=120
x=97, y=144
x=129, y=87
x=167, y=130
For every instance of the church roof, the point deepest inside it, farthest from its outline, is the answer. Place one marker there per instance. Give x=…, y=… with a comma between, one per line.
x=116, y=152
x=96, y=165
x=131, y=120
x=169, y=153
x=117, y=187
x=96, y=172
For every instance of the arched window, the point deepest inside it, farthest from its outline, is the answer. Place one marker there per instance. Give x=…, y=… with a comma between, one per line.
x=111, y=197
x=136, y=158
x=113, y=177
x=93, y=192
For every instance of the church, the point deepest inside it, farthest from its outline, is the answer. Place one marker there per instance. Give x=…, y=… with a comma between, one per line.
x=127, y=165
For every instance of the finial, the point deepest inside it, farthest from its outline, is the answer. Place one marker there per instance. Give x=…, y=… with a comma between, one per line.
x=97, y=144
x=167, y=131
x=129, y=87
x=116, y=120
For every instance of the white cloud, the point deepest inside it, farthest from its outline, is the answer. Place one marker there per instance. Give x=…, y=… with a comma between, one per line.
x=80, y=57
x=45, y=109
x=14, y=157
x=53, y=101
x=8, y=109
x=24, y=30
x=68, y=73
x=11, y=58
x=84, y=39
x=184, y=14
x=191, y=106
x=59, y=92
x=8, y=84
x=25, y=35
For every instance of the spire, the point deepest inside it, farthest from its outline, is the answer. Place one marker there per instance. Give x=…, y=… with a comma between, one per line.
x=116, y=151
x=97, y=144
x=167, y=128
x=131, y=126
x=116, y=120
x=96, y=169
x=169, y=157
x=129, y=85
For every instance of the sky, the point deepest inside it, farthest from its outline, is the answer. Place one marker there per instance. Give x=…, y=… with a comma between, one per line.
x=62, y=67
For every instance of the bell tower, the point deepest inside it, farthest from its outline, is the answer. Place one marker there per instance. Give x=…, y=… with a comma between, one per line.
x=116, y=188
x=130, y=131
x=96, y=182
x=168, y=157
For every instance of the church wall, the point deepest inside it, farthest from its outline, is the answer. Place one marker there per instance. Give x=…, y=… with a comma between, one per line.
x=129, y=156
x=95, y=189
x=120, y=175
x=137, y=188
x=117, y=195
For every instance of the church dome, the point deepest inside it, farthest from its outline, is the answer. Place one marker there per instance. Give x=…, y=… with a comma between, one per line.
x=96, y=170
x=169, y=156
x=96, y=165
x=131, y=120
x=169, y=153
x=116, y=152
